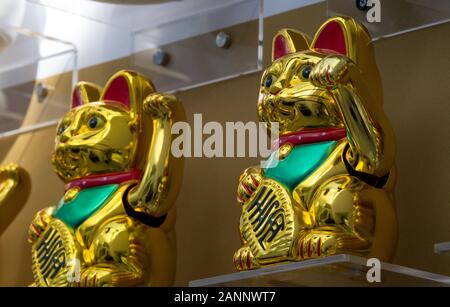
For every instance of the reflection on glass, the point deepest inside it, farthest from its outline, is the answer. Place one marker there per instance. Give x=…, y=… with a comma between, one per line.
x=25, y=104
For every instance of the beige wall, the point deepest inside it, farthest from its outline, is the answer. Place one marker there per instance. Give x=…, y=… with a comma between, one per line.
x=415, y=70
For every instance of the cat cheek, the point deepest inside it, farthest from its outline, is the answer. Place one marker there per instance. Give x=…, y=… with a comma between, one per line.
x=63, y=138
x=261, y=99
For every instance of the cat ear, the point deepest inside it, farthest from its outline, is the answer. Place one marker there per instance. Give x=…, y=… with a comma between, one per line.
x=127, y=88
x=84, y=92
x=118, y=90
x=288, y=41
x=342, y=35
x=331, y=36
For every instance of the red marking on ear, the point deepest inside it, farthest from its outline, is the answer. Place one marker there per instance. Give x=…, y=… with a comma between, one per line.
x=331, y=38
x=118, y=91
x=280, y=47
x=77, y=99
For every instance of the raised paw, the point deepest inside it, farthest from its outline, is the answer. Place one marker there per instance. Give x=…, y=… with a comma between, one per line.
x=248, y=183
x=9, y=178
x=243, y=259
x=330, y=71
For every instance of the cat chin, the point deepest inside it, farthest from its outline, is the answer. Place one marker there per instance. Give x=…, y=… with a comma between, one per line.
x=68, y=175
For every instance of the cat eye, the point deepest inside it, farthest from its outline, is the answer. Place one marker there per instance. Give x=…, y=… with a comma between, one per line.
x=92, y=122
x=306, y=72
x=268, y=81
x=95, y=121
x=61, y=129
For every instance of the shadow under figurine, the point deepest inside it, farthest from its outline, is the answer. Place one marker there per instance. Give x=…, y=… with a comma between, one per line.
x=328, y=188
x=115, y=224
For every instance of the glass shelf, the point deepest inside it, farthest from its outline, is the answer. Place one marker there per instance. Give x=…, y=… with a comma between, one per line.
x=186, y=30
x=442, y=248
x=396, y=16
x=338, y=270
x=190, y=48
x=36, y=76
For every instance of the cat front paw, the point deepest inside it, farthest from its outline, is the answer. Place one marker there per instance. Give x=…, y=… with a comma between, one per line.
x=39, y=224
x=94, y=277
x=248, y=183
x=243, y=259
x=314, y=245
x=330, y=71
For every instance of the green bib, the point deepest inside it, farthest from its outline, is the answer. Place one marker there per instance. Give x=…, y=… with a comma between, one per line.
x=85, y=203
x=299, y=163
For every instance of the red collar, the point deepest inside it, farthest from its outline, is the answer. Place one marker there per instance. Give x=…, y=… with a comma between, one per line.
x=312, y=136
x=102, y=179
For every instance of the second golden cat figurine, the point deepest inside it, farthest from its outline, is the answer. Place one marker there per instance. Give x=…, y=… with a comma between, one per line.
x=114, y=226
x=329, y=187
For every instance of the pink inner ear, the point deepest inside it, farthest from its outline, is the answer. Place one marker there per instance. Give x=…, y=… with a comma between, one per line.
x=280, y=47
x=118, y=91
x=77, y=100
x=331, y=38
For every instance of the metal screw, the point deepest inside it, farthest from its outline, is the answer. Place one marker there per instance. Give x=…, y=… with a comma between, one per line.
x=161, y=58
x=362, y=5
x=41, y=91
x=223, y=40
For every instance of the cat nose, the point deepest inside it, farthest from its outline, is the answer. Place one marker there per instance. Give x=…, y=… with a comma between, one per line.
x=275, y=88
x=63, y=138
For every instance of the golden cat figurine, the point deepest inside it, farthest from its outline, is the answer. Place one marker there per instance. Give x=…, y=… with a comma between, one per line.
x=115, y=224
x=328, y=188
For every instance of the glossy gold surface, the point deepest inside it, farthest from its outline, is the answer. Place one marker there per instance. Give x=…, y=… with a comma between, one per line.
x=160, y=166
x=335, y=209
x=100, y=136
x=82, y=151
x=14, y=191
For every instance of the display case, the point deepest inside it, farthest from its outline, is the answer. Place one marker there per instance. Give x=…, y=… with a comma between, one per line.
x=204, y=47
x=338, y=270
x=178, y=44
x=36, y=74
